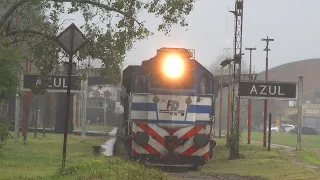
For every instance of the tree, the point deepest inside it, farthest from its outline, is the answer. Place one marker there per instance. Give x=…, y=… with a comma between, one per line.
x=108, y=42
x=9, y=85
x=215, y=67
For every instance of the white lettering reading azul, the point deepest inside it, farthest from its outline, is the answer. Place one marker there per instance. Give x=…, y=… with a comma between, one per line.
x=274, y=90
x=253, y=89
x=263, y=90
x=55, y=82
x=279, y=92
x=64, y=83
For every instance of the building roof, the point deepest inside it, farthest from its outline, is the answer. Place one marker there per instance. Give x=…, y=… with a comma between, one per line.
x=309, y=69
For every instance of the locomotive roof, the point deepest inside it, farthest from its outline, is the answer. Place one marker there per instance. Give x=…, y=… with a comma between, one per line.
x=149, y=63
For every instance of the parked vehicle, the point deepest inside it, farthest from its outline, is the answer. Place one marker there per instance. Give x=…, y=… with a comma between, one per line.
x=275, y=129
x=287, y=127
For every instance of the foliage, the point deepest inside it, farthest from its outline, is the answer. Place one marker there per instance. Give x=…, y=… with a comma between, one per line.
x=9, y=84
x=4, y=131
x=111, y=28
x=9, y=71
x=215, y=67
x=111, y=167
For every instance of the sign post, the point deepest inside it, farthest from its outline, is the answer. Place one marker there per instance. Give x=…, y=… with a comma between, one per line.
x=269, y=133
x=71, y=40
x=299, y=113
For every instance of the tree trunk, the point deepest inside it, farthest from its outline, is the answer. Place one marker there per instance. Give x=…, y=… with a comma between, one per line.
x=233, y=142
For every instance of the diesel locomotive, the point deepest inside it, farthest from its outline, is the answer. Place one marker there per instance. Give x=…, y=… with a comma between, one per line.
x=169, y=110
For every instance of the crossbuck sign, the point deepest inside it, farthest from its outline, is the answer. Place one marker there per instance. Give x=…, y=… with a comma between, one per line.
x=268, y=90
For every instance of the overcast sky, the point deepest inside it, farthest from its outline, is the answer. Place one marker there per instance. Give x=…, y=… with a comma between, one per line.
x=293, y=24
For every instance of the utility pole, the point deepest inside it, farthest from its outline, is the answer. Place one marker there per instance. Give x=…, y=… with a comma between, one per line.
x=265, y=114
x=299, y=112
x=220, y=112
x=249, y=100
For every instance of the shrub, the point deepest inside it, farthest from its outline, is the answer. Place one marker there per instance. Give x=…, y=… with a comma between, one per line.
x=4, y=132
x=111, y=168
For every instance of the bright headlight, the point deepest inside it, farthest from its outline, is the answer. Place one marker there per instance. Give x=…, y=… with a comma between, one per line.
x=173, y=66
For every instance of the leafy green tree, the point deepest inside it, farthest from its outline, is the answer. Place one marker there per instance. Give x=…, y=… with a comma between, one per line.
x=111, y=27
x=10, y=69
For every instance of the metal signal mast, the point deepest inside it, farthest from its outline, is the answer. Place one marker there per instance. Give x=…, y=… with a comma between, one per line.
x=235, y=105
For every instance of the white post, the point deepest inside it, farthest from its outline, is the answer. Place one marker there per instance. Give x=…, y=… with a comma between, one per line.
x=299, y=112
x=17, y=117
x=84, y=111
x=17, y=110
x=104, y=111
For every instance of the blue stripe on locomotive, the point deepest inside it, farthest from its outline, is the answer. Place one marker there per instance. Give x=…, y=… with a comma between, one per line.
x=153, y=107
x=171, y=122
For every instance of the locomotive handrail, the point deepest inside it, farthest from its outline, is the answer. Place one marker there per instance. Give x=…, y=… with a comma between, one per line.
x=142, y=94
x=210, y=95
x=202, y=95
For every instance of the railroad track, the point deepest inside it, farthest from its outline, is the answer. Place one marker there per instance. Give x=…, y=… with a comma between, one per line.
x=211, y=176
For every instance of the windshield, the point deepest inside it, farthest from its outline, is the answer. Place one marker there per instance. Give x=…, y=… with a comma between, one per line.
x=162, y=82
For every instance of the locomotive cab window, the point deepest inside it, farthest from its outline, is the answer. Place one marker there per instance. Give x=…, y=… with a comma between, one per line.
x=204, y=85
x=186, y=81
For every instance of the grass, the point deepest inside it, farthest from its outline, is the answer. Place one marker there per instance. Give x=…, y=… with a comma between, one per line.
x=95, y=127
x=40, y=159
x=257, y=162
x=310, y=157
x=42, y=155
x=288, y=139
x=111, y=168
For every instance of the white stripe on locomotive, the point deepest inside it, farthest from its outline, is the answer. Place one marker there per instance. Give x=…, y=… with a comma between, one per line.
x=190, y=142
x=138, y=148
x=182, y=131
x=152, y=142
x=202, y=151
x=144, y=115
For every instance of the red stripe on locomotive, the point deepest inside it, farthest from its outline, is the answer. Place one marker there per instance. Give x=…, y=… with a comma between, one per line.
x=152, y=133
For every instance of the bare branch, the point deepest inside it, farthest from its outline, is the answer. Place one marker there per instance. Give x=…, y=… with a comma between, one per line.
x=27, y=31
x=106, y=7
x=15, y=6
